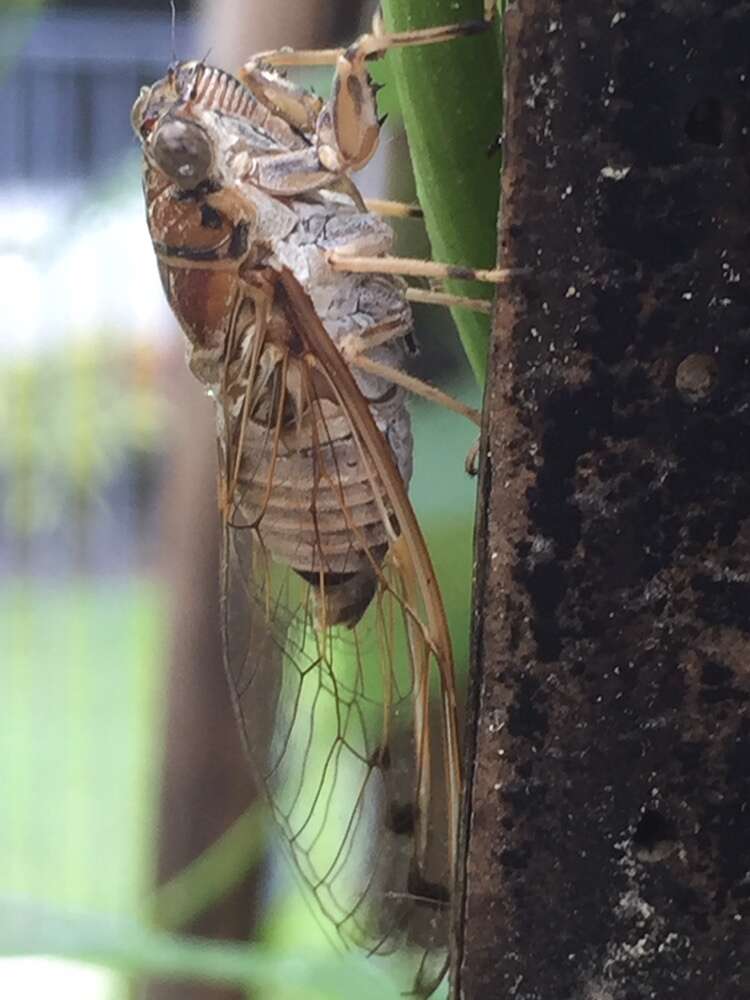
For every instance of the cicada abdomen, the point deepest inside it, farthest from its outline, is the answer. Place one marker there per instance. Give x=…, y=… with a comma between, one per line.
x=334, y=627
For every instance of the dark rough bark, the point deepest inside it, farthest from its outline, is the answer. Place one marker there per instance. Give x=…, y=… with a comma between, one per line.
x=609, y=836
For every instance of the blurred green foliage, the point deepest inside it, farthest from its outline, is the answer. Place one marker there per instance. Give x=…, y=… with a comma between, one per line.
x=134, y=950
x=81, y=679
x=72, y=419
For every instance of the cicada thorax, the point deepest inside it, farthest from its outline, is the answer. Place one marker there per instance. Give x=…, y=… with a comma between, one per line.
x=213, y=89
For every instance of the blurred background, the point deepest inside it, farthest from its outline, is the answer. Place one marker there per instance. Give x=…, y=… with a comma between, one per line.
x=119, y=762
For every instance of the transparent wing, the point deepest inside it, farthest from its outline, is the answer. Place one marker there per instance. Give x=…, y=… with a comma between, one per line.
x=337, y=647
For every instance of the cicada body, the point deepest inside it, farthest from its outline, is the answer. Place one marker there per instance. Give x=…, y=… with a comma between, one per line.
x=334, y=627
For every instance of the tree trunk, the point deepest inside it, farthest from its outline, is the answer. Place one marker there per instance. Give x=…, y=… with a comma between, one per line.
x=608, y=844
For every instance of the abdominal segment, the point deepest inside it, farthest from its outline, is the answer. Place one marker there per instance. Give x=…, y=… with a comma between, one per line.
x=316, y=505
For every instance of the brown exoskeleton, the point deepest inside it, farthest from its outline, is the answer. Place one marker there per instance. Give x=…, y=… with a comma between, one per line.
x=295, y=316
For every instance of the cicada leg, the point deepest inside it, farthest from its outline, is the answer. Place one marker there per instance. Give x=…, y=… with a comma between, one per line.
x=418, y=387
x=471, y=465
x=435, y=297
x=415, y=268
x=345, y=130
x=376, y=42
x=394, y=209
x=353, y=349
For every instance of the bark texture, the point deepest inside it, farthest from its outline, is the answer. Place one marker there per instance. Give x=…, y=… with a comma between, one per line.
x=608, y=850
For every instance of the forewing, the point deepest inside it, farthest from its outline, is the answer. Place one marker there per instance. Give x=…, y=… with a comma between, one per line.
x=360, y=765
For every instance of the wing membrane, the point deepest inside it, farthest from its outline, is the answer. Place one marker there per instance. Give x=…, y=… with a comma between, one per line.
x=337, y=719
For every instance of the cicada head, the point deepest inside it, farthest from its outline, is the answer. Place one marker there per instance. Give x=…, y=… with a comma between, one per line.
x=165, y=122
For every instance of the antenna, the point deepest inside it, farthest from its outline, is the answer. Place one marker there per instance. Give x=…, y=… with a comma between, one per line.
x=173, y=8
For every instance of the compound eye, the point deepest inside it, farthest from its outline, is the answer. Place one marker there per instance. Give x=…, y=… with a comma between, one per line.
x=182, y=150
x=138, y=118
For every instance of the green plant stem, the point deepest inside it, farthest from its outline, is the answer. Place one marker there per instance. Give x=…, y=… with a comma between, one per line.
x=451, y=98
x=211, y=876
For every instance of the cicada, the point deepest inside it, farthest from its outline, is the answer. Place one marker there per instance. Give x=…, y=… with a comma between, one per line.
x=336, y=642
